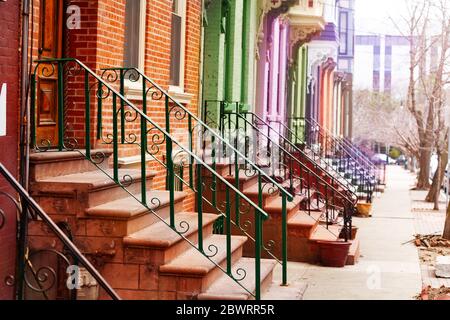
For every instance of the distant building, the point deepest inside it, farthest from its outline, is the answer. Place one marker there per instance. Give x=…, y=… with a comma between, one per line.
x=382, y=63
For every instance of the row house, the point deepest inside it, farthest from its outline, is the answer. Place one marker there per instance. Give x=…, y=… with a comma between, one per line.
x=174, y=149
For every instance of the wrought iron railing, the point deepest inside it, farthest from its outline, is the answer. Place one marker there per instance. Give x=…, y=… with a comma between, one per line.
x=361, y=174
x=124, y=127
x=289, y=138
x=37, y=277
x=301, y=179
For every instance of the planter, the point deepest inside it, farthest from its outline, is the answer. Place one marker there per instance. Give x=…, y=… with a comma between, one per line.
x=334, y=253
x=364, y=209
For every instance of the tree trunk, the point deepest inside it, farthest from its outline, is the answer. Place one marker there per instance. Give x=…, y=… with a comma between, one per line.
x=433, y=194
x=446, y=234
x=423, y=182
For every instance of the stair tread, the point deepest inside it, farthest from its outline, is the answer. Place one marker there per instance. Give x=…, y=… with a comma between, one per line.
x=321, y=233
x=304, y=219
x=242, y=175
x=194, y=263
x=65, y=155
x=129, y=207
x=97, y=178
x=275, y=205
x=160, y=235
x=354, y=248
x=253, y=190
x=225, y=288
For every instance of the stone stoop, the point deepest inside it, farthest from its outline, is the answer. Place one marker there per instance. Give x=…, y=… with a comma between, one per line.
x=304, y=230
x=133, y=246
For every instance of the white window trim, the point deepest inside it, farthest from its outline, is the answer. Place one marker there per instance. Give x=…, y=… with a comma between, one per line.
x=133, y=90
x=178, y=91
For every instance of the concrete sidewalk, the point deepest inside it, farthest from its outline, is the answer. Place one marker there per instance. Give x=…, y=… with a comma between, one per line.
x=388, y=268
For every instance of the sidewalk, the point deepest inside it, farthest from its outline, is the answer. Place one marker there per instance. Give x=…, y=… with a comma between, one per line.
x=388, y=269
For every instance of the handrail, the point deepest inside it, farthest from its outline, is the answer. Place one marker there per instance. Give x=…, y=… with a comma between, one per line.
x=297, y=149
x=260, y=214
x=203, y=124
x=334, y=140
x=329, y=188
x=74, y=251
x=290, y=155
x=314, y=122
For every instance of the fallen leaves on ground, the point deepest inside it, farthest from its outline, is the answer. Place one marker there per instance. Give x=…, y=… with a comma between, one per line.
x=429, y=293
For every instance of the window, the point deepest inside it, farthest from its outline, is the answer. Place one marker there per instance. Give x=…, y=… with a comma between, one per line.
x=135, y=12
x=343, y=32
x=178, y=45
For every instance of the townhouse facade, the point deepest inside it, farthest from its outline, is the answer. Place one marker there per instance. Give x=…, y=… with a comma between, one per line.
x=134, y=174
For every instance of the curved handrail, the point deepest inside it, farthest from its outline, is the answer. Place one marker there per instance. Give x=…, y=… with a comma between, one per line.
x=58, y=232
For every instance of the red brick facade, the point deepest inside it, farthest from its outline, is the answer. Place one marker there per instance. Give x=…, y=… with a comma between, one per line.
x=100, y=44
x=9, y=71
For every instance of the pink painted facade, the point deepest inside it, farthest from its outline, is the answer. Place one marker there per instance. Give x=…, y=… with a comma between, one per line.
x=272, y=70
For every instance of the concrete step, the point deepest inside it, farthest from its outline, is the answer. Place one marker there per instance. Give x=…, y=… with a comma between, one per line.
x=54, y=163
x=90, y=188
x=225, y=288
x=162, y=242
x=197, y=272
x=128, y=215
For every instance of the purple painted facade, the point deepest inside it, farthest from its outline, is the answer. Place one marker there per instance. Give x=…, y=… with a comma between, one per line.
x=272, y=70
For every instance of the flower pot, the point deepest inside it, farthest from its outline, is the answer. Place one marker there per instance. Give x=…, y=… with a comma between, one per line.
x=364, y=209
x=334, y=253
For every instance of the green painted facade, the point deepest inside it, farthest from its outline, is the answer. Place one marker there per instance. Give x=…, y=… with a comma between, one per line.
x=298, y=88
x=229, y=71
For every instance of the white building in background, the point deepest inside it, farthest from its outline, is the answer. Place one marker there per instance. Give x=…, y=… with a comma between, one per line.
x=382, y=64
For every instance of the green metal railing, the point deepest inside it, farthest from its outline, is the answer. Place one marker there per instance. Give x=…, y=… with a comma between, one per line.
x=122, y=125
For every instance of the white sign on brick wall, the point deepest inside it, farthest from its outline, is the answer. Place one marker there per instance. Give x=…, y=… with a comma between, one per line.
x=3, y=110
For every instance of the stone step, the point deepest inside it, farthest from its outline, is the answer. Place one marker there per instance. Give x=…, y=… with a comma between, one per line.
x=159, y=243
x=322, y=233
x=128, y=215
x=246, y=178
x=354, y=253
x=90, y=188
x=54, y=163
x=275, y=205
x=225, y=288
x=193, y=272
x=303, y=224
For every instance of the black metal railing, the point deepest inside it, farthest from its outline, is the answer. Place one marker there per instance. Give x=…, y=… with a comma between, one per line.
x=322, y=142
x=37, y=277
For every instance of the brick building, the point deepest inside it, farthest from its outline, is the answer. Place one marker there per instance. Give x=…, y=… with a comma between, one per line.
x=9, y=110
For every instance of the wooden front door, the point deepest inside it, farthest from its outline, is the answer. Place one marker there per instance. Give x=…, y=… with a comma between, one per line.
x=50, y=46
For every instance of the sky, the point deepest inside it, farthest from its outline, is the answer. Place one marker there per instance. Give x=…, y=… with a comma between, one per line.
x=374, y=16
